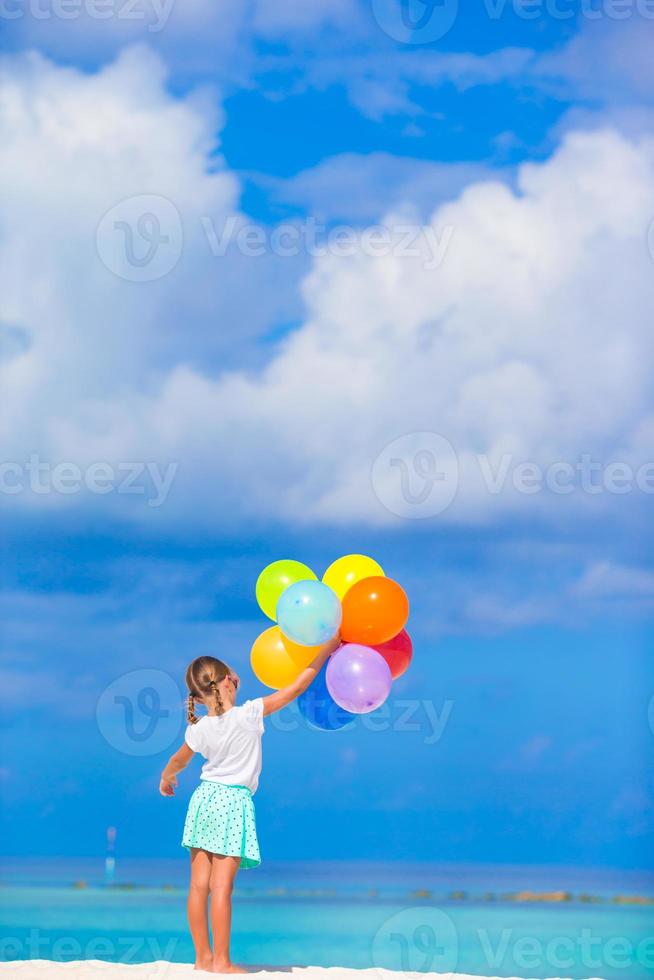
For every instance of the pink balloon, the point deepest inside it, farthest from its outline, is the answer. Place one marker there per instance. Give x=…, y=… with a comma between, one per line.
x=358, y=678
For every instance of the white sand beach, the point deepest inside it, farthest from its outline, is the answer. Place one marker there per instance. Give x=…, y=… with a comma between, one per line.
x=83, y=969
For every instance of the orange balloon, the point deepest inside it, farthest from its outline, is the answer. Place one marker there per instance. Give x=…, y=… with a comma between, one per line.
x=374, y=610
x=276, y=660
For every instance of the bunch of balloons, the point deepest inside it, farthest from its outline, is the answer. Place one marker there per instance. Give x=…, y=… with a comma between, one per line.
x=354, y=596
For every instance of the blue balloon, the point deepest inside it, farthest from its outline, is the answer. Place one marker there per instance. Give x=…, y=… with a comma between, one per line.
x=319, y=708
x=309, y=613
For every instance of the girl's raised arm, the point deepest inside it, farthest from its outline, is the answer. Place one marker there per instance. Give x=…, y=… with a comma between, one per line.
x=278, y=700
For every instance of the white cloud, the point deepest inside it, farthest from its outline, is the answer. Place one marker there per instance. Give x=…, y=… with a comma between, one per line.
x=609, y=580
x=530, y=340
x=74, y=334
x=273, y=19
x=530, y=756
x=620, y=94
x=383, y=81
x=356, y=187
x=524, y=342
x=502, y=612
x=623, y=48
x=194, y=36
x=197, y=38
x=340, y=43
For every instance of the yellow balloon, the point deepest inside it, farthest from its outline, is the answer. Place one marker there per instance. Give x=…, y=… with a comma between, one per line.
x=277, y=661
x=343, y=573
x=277, y=577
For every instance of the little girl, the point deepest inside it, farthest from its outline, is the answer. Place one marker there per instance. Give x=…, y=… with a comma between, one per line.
x=220, y=830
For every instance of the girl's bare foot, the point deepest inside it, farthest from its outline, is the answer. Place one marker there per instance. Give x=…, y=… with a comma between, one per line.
x=229, y=968
x=204, y=963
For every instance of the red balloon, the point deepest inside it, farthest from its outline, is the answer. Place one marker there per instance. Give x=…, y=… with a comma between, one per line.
x=374, y=610
x=397, y=653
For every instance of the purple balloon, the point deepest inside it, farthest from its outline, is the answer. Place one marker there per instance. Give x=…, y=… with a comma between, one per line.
x=358, y=678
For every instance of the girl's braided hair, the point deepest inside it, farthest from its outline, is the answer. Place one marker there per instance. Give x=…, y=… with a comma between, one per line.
x=203, y=676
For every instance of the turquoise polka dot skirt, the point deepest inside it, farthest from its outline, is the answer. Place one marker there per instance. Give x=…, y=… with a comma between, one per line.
x=220, y=819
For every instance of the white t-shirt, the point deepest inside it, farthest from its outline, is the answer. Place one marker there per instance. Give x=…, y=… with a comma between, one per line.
x=231, y=744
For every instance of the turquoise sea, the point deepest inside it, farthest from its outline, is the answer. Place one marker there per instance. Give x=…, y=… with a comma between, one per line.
x=405, y=917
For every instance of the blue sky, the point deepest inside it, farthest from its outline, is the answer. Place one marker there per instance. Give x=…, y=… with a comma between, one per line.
x=267, y=396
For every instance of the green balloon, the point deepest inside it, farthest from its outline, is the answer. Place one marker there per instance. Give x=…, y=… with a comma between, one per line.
x=277, y=577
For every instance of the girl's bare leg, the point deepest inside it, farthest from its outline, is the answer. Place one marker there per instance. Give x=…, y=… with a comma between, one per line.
x=223, y=872
x=197, y=908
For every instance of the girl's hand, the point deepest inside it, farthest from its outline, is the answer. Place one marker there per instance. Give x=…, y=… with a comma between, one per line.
x=167, y=786
x=279, y=700
x=176, y=763
x=334, y=644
